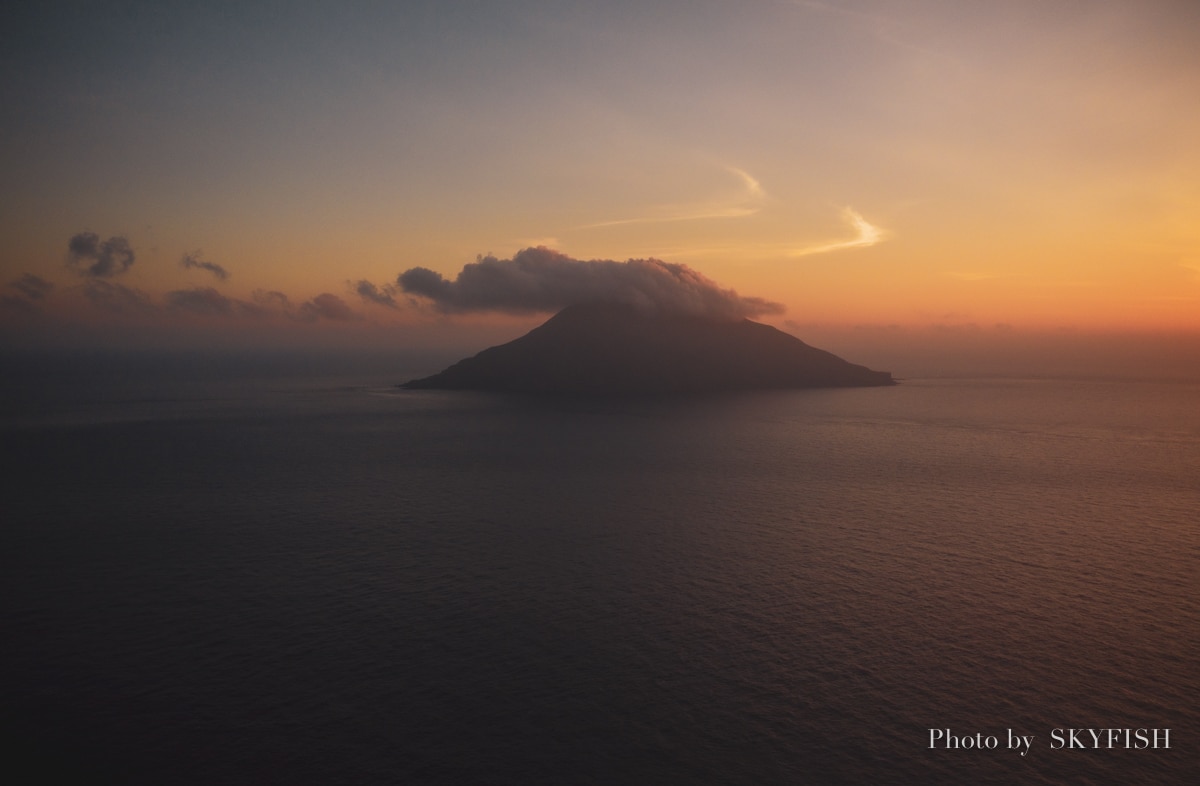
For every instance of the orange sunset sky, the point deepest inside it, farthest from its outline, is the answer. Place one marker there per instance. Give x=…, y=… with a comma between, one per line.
x=1014, y=167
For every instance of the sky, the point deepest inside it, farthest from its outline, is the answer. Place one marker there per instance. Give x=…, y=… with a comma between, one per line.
x=259, y=171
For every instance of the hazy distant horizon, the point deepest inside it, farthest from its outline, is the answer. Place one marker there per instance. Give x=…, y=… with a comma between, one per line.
x=921, y=351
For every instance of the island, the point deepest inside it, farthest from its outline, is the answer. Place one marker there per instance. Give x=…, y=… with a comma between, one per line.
x=614, y=348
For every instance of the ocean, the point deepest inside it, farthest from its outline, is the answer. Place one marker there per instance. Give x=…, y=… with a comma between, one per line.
x=259, y=578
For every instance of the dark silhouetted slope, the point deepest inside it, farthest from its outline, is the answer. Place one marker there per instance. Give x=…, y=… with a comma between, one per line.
x=607, y=348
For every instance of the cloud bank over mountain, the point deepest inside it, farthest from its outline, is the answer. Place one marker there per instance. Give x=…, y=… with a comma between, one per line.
x=543, y=280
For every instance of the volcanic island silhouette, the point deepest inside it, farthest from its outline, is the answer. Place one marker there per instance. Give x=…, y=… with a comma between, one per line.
x=608, y=348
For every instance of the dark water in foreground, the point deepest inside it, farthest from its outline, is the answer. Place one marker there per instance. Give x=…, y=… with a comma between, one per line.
x=343, y=583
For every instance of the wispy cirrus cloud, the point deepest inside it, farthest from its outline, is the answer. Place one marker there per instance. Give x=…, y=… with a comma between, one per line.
x=884, y=28
x=865, y=234
x=747, y=201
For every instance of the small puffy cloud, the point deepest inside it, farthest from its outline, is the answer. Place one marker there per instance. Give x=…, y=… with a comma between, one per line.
x=194, y=260
x=326, y=306
x=90, y=256
x=116, y=298
x=380, y=296
x=542, y=280
x=272, y=300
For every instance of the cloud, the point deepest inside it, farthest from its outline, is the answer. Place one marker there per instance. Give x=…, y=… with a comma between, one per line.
x=746, y=202
x=323, y=306
x=201, y=300
x=380, y=296
x=326, y=306
x=30, y=290
x=194, y=260
x=271, y=301
x=866, y=234
x=542, y=280
x=884, y=28
x=90, y=256
x=33, y=287
x=208, y=302
x=753, y=189
x=116, y=298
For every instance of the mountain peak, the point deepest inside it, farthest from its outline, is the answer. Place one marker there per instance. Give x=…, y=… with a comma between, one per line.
x=606, y=348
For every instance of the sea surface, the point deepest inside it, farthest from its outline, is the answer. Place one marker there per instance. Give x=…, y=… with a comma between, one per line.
x=323, y=579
